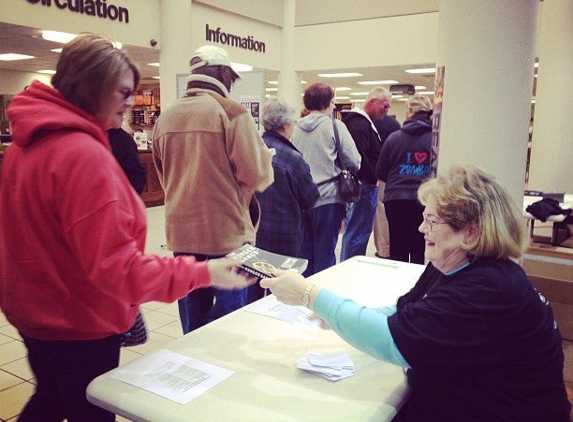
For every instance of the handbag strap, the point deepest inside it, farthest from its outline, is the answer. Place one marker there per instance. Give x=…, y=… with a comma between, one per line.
x=338, y=160
x=337, y=143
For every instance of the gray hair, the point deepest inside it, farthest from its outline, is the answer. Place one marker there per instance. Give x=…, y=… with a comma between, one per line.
x=276, y=114
x=379, y=93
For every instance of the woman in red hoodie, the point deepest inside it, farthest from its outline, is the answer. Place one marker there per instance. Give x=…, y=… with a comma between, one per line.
x=72, y=233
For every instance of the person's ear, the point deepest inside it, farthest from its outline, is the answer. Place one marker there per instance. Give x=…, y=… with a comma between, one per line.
x=472, y=231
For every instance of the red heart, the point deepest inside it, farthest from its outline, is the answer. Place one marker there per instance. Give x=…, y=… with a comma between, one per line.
x=420, y=157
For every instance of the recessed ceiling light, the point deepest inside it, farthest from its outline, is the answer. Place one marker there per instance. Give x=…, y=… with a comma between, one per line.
x=386, y=82
x=339, y=75
x=271, y=89
x=422, y=70
x=8, y=57
x=47, y=72
x=56, y=50
x=239, y=67
x=61, y=37
x=418, y=87
x=274, y=82
x=359, y=93
x=426, y=93
x=155, y=77
x=153, y=64
x=342, y=98
x=357, y=100
x=343, y=88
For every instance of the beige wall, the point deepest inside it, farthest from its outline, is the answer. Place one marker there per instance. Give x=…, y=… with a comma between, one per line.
x=143, y=23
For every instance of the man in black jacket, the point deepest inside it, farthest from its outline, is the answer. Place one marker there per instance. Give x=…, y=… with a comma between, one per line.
x=360, y=216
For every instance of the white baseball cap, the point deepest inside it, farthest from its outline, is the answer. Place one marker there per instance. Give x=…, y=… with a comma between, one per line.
x=210, y=55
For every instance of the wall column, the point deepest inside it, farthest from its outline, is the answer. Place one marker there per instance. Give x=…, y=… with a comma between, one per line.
x=176, y=46
x=289, y=80
x=552, y=142
x=487, y=48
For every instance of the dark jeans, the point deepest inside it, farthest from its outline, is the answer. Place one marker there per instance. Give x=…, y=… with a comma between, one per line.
x=406, y=242
x=321, y=230
x=63, y=370
x=202, y=306
x=358, y=223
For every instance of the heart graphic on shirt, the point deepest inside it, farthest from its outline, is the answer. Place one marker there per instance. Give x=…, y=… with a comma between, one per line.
x=420, y=157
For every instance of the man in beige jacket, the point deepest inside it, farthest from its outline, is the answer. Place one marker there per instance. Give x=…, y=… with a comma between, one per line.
x=210, y=160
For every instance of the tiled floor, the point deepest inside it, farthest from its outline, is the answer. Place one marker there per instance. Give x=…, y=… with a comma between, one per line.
x=16, y=379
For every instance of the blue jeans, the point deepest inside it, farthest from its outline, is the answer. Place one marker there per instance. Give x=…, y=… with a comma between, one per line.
x=202, y=306
x=358, y=223
x=63, y=370
x=321, y=227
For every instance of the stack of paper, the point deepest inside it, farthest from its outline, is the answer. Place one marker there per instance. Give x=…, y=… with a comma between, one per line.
x=331, y=367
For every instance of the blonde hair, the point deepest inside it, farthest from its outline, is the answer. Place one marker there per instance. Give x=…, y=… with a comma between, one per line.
x=469, y=195
x=419, y=103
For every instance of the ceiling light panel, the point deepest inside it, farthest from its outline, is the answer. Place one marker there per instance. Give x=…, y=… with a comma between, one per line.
x=9, y=57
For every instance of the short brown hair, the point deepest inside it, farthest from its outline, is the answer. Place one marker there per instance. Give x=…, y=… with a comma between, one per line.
x=318, y=97
x=88, y=70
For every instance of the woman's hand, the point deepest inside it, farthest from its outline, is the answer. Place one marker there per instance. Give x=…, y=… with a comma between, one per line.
x=225, y=274
x=288, y=287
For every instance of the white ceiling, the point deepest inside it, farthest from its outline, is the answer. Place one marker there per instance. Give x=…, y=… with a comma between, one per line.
x=25, y=40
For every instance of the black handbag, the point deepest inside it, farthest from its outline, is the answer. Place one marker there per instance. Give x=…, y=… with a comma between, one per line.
x=348, y=183
x=136, y=335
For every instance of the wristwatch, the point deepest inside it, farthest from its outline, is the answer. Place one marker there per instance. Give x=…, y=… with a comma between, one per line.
x=306, y=294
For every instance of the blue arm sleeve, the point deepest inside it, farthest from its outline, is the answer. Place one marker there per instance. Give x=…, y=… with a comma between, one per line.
x=364, y=328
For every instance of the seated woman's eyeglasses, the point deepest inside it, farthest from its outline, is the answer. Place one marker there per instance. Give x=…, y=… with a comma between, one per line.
x=431, y=223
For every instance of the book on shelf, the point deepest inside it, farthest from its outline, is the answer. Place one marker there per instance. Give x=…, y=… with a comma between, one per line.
x=262, y=263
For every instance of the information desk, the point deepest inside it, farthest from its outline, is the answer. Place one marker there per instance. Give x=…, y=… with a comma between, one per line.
x=262, y=351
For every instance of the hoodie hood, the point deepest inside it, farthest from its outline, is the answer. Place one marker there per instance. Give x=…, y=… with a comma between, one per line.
x=417, y=126
x=310, y=122
x=41, y=108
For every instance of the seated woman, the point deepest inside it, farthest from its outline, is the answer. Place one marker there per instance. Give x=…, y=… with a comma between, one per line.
x=480, y=343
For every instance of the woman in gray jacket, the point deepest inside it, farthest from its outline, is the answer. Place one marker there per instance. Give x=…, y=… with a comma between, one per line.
x=314, y=138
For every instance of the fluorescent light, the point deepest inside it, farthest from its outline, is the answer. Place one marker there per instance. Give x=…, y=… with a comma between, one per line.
x=274, y=82
x=9, y=57
x=339, y=75
x=343, y=88
x=155, y=77
x=47, y=72
x=342, y=98
x=422, y=70
x=56, y=50
x=426, y=92
x=418, y=87
x=386, y=82
x=359, y=93
x=61, y=37
x=271, y=89
x=153, y=64
x=357, y=100
x=239, y=67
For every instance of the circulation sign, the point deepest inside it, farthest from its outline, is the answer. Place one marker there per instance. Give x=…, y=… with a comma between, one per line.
x=96, y=8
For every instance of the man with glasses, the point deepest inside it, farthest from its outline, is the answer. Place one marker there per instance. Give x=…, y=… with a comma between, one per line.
x=360, y=217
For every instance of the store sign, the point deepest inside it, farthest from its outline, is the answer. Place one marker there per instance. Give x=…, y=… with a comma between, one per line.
x=246, y=43
x=97, y=8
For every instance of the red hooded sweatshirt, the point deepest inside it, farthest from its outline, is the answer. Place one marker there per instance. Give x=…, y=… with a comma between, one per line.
x=72, y=229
